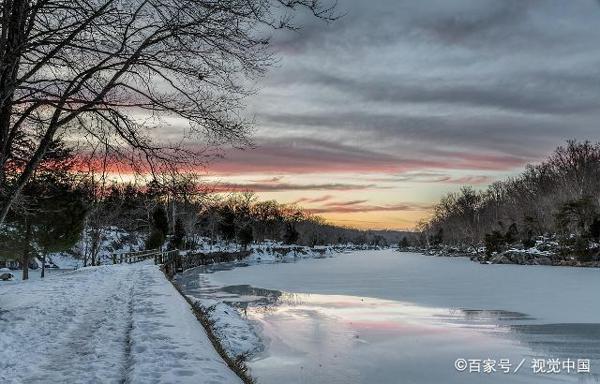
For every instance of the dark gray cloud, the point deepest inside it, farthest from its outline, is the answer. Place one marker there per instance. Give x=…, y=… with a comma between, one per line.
x=470, y=84
x=534, y=92
x=495, y=17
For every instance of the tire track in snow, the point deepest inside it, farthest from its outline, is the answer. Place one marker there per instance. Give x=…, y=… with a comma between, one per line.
x=86, y=339
x=93, y=348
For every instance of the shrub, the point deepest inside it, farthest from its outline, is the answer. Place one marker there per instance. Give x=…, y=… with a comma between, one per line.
x=595, y=230
x=494, y=242
x=404, y=243
x=512, y=234
x=155, y=240
x=581, y=249
x=528, y=240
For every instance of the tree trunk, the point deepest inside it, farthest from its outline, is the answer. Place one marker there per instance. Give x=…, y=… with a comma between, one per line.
x=173, y=214
x=95, y=246
x=14, y=18
x=85, y=249
x=26, y=248
x=43, y=264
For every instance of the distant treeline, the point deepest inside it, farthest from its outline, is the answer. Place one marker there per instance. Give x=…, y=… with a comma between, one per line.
x=60, y=205
x=182, y=214
x=560, y=196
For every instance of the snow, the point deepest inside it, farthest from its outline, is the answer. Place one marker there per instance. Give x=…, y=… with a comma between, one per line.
x=531, y=251
x=235, y=334
x=113, y=240
x=267, y=250
x=34, y=274
x=64, y=261
x=286, y=252
x=107, y=324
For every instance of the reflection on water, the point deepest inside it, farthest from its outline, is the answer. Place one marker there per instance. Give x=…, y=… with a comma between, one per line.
x=561, y=340
x=331, y=338
x=492, y=315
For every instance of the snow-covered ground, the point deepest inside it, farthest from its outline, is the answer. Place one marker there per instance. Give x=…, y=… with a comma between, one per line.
x=34, y=274
x=108, y=324
x=236, y=334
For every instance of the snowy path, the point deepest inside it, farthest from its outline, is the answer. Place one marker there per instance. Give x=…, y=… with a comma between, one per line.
x=111, y=324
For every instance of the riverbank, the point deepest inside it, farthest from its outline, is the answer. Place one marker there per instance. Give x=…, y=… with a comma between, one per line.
x=544, y=252
x=234, y=334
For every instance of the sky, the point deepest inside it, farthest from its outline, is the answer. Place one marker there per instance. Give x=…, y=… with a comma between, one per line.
x=370, y=119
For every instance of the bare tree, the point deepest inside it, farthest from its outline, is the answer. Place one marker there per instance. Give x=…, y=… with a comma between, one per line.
x=560, y=194
x=109, y=70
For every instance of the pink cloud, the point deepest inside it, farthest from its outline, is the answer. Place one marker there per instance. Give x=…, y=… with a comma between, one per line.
x=279, y=187
x=313, y=200
x=312, y=156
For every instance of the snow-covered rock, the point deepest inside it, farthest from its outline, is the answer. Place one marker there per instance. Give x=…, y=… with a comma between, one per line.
x=236, y=335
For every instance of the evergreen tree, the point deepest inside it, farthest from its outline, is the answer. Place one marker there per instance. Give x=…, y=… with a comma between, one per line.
x=528, y=238
x=245, y=236
x=595, y=230
x=159, y=228
x=60, y=219
x=494, y=242
x=160, y=222
x=51, y=210
x=290, y=234
x=227, y=222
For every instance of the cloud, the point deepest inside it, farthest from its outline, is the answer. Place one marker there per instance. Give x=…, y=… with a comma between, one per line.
x=273, y=179
x=514, y=78
x=471, y=180
x=313, y=156
x=362, y=208
x=303, y=155
x=531, y=91
x=345, y=203
x=309, y=200
x=481, y=19
x=278, y=187
x=435, y=177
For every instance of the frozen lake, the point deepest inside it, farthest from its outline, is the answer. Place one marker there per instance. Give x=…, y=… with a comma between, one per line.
x=387, y=317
